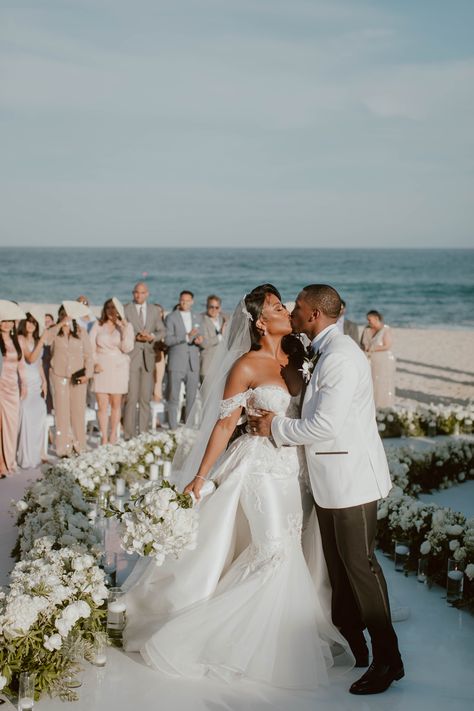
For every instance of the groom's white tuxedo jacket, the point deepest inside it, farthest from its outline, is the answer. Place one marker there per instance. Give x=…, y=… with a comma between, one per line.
x=346, y=459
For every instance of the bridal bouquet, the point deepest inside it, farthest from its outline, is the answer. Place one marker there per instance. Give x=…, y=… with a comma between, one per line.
x=158, y=521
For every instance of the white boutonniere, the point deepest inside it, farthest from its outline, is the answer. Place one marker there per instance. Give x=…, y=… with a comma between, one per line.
x=308, y=366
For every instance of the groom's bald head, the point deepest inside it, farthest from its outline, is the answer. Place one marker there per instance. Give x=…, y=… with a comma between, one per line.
x=323, y=298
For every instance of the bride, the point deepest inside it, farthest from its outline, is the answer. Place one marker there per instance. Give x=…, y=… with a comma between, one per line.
x=247, y=602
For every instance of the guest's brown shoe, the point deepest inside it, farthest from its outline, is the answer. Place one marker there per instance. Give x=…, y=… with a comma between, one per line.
x=377, y=678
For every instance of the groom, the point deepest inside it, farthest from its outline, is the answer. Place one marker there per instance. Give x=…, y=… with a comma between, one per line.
x=349, y=473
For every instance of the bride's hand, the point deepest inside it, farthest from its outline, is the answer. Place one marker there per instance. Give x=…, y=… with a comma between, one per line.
x=195, y=487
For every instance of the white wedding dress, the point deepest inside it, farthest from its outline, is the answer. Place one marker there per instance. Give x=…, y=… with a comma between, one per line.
x=247, y=602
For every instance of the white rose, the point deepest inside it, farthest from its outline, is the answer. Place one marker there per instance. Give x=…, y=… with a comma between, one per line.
x=381, y=427
x=149, y=458
x=21, y=506
x=470, y=571
x=141, y=469
x=3, y=681
x=453, y=545
x=425, y=548
x=454, y=530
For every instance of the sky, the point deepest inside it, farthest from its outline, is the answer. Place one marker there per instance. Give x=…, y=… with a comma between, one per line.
x=269, y=123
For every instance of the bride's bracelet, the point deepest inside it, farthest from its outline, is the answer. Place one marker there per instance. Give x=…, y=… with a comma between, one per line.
x=198, y=476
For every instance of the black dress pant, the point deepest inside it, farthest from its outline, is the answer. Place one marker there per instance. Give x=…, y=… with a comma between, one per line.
x=359, y=590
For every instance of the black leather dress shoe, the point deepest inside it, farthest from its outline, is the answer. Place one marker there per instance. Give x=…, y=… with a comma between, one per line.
x=377, y=678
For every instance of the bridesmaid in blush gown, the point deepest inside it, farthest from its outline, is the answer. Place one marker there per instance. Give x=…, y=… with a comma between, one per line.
x=33, y=407
x=376, y=341
x=112, y=337
x=12, y=373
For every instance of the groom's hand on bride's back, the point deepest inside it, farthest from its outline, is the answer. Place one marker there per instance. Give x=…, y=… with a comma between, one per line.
x=260, y=423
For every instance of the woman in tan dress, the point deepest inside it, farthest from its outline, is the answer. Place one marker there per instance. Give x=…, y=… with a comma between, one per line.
x=112, y=337
x=376, y=341
x=12, y=385
x=71, y=368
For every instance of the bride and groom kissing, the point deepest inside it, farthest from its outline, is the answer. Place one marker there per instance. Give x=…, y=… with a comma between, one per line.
x=284, y=578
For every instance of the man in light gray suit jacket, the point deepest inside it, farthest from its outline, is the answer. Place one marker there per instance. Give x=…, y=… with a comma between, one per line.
x=184, y=340
x=148, y=327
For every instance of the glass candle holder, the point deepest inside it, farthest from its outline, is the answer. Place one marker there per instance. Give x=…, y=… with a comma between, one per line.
x=26, y=692
x=108, y=563
x=116, y=609
x=120, y=487
x=402, y=552
x=422, y=575
x=454, y=581
x=99, y=651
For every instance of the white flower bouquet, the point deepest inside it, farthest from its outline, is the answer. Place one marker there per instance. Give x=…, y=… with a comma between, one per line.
x=158, y=522
x=54, y=606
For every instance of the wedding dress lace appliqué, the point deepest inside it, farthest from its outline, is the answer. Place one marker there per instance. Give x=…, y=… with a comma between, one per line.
x=246, y=602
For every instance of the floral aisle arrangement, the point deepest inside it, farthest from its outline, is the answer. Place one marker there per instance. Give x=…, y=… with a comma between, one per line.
x=54, y=506
x=128, y=460
x=50, y=617
x=433, y=420
x=158, y=521
x=433, y=531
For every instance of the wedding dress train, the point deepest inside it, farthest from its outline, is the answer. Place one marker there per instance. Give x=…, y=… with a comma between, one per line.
x=246, y=602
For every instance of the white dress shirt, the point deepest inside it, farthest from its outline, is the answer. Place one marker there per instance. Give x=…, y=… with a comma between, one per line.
x=188, y=322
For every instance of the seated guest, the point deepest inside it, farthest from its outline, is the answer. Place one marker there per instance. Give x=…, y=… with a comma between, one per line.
x=33, y=407
x=71, y=367
x=348, y=328
x=112, y=338
x=214, y=322
x=13, y=385
x=184, y=340
x=376, y=341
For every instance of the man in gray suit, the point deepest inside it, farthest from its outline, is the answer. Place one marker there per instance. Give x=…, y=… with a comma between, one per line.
x=148, y=327
x=346, y=327
x=184, y=340
x=214, y=322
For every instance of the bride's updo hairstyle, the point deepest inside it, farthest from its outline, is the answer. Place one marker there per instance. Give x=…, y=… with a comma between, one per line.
x=255, y=301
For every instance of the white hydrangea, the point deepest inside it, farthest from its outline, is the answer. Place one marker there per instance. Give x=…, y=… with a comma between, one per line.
x=425, y=548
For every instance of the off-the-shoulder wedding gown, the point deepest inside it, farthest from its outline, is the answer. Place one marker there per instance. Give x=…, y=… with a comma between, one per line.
x=247, y=602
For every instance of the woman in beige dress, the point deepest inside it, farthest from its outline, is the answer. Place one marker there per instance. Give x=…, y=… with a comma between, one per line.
x=13, y=385
x=376, y=341
x=112, y=337
x=71, y=368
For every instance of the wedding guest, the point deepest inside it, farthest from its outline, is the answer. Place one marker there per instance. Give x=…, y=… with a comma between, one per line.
x=184, y=340
x=48, y=322
x=33, y=407
x=13, y=387
x=214, y=322
x=148, y=327
x=112, y=338
x=71, y=368
x=346, y=327
x=376, y=341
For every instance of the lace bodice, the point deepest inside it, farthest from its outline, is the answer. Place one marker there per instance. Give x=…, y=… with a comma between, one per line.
x=267, y=397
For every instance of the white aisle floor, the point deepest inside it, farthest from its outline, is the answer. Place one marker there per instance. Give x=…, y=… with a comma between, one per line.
x=437, y=644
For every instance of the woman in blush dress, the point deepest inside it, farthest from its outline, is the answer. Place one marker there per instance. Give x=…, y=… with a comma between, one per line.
x=112, y=337
x=33, y=407
x=71, y=367
x=376, y=341
x=12, y=373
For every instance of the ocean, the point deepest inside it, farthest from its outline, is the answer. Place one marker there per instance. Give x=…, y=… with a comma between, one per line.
x=412, y=288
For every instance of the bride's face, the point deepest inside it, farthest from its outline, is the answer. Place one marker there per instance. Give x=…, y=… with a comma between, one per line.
x=275, y=318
